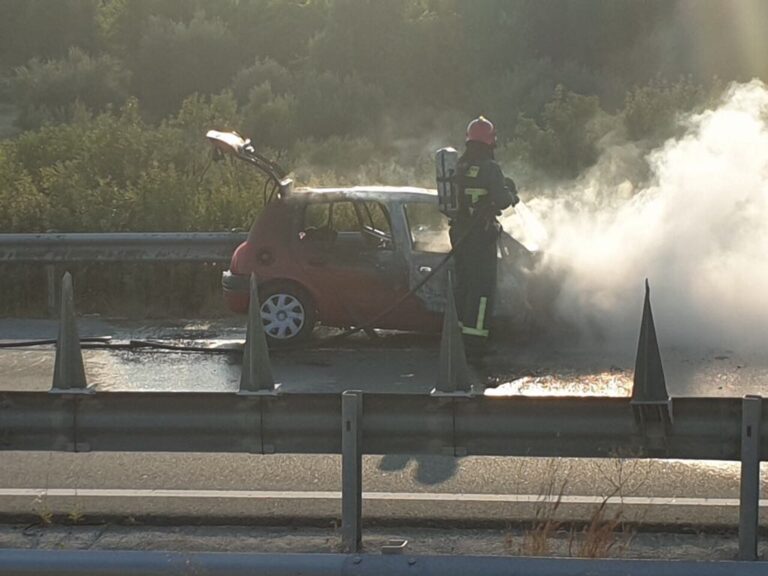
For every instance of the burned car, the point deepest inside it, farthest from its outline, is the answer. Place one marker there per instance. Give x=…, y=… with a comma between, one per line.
x=354, y=256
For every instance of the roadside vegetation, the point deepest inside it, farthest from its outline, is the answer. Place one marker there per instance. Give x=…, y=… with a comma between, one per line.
x=607, y=533
x=104, y=103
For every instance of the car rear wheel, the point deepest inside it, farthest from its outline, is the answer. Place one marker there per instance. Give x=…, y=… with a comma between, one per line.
x=287, y=312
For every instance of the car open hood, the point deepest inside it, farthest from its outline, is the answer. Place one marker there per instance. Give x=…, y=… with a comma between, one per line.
x=234, y=144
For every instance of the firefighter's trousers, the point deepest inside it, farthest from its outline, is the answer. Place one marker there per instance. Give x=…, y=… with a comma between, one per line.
x=475, y=260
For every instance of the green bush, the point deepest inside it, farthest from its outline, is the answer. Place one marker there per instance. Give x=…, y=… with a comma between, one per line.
x=329, y=105
x=271, y=120
x=565, y=140
x=22, y=206
x=47, y=29
x=261, y=72
x=341, y=153
x=114, y=172
x=175, y=60
x=651, y=112
x=47, y=90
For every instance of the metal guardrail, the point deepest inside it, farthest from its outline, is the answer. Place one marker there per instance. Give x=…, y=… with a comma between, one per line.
x=58, y=249
x=119, y=247
x=355, y=423
x=703, y=428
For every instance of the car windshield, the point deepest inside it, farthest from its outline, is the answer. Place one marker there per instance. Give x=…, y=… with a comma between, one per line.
x=428, y=227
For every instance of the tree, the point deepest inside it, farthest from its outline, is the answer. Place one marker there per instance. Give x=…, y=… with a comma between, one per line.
x=22, y=206
x=564, y=141
x=262, y=71
x=365, y=39
x=280, y=30
x=329, y=105
x=176, y=59
x=48, y=90
x=46, y=29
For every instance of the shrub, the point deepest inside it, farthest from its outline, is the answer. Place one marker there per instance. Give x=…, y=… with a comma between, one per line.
x=651, y=111
x=565, y=140
x=22, y=206
x=176, y=59
x=271, y=120
x=328, y=105
x=261, y=72
x=48, y=90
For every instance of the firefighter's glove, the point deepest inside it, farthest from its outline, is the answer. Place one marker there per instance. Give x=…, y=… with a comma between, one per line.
x=511, y=188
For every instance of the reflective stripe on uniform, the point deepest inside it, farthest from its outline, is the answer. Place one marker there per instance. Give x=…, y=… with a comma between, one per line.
x=478, y=330
x=475, y=193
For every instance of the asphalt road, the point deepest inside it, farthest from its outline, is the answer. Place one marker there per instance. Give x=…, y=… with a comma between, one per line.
x=395, y=362
x=282, y=487
x=397, y=488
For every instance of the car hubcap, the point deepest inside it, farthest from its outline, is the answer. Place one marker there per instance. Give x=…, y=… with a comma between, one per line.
x=283, y=316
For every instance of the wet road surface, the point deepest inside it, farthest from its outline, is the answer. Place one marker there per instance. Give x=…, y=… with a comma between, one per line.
x=395, y=362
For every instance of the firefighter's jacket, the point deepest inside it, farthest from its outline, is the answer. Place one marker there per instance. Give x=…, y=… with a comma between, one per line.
x=482, y=194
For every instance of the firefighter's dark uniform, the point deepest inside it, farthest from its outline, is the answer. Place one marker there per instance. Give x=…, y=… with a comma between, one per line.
x=475, y=230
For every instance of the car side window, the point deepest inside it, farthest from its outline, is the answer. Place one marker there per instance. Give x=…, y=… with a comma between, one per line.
x=428, y=227
x=377, y=228
x=344, y=217
x=326, y=221
x=316, y=215
x=351, y=222
x=316, y=226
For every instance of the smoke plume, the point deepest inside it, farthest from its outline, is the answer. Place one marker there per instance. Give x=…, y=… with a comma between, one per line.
x=698, y=231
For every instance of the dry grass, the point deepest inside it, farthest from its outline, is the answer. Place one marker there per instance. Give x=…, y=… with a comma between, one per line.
x=538, y=539
x=76, y=515
x=604, y=535
x=43, y=510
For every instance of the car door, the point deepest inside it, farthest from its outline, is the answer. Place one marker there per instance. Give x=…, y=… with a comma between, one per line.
x=430, y=245
x=348, y=254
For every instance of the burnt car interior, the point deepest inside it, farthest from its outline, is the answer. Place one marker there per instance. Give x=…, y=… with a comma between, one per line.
x=347, y=223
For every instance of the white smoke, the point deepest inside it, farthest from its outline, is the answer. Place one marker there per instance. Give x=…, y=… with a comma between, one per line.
x=698, y=232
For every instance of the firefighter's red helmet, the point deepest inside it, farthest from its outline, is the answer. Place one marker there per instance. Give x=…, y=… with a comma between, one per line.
x=481, y=130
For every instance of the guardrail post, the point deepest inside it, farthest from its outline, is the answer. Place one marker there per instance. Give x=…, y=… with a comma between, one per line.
x=749, y=501
x=351, y=470
x=453, y=376
x=651, y=403
x=256, y=375
x=69, y=370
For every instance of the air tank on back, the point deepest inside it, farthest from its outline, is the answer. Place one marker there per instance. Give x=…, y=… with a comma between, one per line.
x=446, y=160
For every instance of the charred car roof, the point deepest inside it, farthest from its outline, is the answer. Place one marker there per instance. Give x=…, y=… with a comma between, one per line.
x=379, y=193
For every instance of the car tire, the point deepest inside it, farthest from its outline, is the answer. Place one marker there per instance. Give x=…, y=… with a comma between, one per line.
x=288, y=313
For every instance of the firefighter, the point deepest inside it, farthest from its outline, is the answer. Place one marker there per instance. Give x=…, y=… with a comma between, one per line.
x=483, y=194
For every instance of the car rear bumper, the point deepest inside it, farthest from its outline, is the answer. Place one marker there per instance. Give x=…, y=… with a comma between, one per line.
x=236, y=289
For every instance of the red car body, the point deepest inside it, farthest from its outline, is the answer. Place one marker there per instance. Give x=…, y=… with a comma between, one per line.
x=348, y=276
